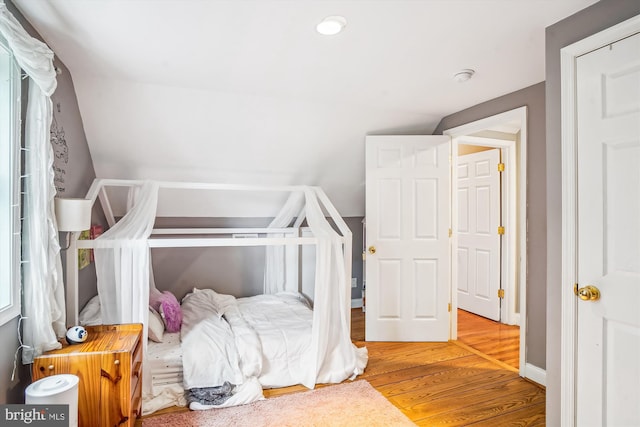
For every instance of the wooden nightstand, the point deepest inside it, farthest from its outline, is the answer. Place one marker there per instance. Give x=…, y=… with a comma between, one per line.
x=109, y=365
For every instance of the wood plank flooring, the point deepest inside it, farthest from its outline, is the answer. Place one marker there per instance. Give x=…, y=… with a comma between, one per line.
x=491, y=338
x=450, y=383
x=444, y=384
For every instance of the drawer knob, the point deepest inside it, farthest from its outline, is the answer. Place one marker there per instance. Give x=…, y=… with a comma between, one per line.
x=51, y=367
x=116, y=362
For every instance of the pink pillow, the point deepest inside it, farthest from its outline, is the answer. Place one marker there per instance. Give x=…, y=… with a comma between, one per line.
x=169, y=308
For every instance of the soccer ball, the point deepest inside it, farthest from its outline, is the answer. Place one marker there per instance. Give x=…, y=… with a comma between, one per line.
x=76, y=335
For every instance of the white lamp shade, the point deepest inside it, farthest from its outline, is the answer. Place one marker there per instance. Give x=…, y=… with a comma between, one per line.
x=73, y=214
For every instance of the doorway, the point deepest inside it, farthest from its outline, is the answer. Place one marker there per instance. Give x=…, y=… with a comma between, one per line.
x=479, y=221
x=507, y=132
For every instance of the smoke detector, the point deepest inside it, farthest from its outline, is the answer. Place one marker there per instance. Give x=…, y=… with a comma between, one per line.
x=463, y=75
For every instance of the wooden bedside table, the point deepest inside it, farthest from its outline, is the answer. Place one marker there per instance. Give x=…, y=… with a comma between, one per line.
x=109, y=365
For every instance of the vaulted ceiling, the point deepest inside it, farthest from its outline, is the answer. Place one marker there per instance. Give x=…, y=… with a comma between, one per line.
x=246, y=91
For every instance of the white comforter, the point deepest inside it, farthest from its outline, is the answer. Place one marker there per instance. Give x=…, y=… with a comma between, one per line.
x=282, y=325
x=260, y=340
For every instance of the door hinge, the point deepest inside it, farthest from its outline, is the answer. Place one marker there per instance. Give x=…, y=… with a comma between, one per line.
x=500, y=167
x=449, y=307
x=450, y=232
x=500, y=293
x=501, y=230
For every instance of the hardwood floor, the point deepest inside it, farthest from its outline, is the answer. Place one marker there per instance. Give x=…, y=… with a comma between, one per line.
x=492, y=338
x=450, y=383
x=445, y=384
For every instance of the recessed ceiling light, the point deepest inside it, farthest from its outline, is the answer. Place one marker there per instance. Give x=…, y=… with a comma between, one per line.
x=463, y=75
x=331, y=25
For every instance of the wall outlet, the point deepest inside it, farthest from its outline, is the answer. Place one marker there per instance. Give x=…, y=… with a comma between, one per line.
x=354, y=282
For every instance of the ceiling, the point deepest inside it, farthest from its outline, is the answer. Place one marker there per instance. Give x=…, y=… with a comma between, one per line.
x=246, y=91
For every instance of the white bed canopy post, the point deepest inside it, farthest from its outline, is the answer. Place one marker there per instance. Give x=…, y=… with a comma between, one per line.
x=347, y=242
x=293, y=257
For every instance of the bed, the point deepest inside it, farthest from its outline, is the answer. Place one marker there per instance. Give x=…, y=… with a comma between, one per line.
x=291, y=334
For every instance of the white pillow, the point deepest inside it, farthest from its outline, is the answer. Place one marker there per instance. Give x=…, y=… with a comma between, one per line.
x=210, y=301
x=155, y=326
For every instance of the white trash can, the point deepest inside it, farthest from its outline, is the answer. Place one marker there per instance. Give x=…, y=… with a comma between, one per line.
x=56, y=390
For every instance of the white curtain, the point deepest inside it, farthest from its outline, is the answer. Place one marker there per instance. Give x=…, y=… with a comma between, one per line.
x=123, y=265
x=275, y=271
x=123, y=261
x=43, y=292
x=331, y=356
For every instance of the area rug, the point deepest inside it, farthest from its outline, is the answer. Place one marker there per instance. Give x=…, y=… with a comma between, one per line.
x=348, y=404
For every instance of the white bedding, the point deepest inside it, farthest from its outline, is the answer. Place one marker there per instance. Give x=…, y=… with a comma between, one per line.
x=282, y=323
x=254, y=343
x=261, y=338
x=165, y=359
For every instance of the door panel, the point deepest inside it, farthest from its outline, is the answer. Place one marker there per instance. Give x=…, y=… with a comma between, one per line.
x=407, y=210
x=608, y=348
x=478, y=240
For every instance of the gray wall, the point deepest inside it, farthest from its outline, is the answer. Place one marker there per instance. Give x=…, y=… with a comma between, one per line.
x=78, y=177
x=72, y=164
x=601, y=15
x=534, y=98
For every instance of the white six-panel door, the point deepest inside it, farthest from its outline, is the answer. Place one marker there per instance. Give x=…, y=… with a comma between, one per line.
x=478, y=251
x=608, y=147
x=407, y=264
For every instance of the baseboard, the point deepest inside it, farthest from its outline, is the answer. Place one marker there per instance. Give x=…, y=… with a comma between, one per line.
x=356, y=303
x=535, y=374
x=516, y=319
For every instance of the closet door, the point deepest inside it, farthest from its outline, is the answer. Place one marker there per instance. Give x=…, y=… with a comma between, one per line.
x=408, y=253
x=608, y=240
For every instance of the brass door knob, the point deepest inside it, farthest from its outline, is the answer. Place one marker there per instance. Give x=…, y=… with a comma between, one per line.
x=589, y=293
x=372, y=250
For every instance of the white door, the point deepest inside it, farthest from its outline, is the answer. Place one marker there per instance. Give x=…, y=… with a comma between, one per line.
x=478, y=248
x=407, y=264
x=608, y=348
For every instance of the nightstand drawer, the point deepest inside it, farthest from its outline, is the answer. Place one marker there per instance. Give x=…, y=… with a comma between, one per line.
x=136, y=370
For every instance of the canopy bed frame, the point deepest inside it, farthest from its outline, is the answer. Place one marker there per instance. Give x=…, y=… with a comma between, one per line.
x=294, y=236
x=324, y=354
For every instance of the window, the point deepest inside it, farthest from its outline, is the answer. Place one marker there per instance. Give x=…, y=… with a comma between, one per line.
x=10, y=279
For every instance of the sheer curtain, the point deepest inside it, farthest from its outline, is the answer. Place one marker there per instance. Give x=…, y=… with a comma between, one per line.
x=123, y=261
x=43, y=292
x=275, y=271
x=123, y=264
x=331, y=356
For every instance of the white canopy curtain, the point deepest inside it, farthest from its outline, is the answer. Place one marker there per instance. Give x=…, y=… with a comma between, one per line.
x=122, y=261
x=275, y=267
x=123, y=265
x=331, y=350
x=43, y=292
